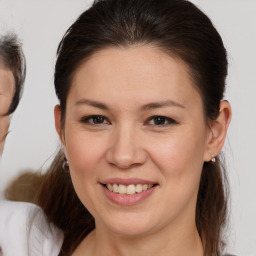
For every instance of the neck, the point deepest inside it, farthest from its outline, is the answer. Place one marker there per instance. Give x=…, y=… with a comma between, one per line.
x=165, y=243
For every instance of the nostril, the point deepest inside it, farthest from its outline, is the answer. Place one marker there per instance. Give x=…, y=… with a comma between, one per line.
x=126, y=160
x=125, y=166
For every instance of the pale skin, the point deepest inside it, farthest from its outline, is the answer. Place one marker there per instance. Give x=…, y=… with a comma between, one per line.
x=7, y=87
x=126, y=91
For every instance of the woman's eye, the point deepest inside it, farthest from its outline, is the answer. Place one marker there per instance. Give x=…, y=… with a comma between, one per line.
x=161, y=121
x=96, y=119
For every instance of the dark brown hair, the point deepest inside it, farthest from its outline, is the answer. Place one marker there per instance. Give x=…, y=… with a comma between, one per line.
x=12, y=57
x=177, y=27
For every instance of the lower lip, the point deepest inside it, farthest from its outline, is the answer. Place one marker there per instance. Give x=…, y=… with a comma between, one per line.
x=127, y=200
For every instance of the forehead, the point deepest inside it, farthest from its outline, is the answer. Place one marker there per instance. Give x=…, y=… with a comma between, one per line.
x=144, y=72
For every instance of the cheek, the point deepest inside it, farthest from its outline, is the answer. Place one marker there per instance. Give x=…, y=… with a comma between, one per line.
x=180, y=162
x=5, y=103
x=180, y=157
x=83, y=152
x=4, y=125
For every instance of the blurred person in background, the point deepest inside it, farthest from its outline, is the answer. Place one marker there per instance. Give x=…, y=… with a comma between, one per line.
x=12, y=76
x=22, y=219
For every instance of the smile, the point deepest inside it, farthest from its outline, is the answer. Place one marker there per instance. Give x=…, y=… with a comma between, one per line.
x=128, y=190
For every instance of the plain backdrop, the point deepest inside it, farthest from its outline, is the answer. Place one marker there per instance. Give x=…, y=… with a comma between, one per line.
x=32, y=141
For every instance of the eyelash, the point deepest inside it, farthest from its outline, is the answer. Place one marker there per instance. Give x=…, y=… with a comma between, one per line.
x=92, y=120
x=167, y=121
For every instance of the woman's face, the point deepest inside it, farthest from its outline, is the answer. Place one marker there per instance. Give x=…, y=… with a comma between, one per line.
x=135, y=124
x=7, y=87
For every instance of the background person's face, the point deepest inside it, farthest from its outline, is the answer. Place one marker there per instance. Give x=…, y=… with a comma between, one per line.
x=7, y=87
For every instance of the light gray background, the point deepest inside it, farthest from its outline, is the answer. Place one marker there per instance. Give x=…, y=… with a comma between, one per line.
x=33, y=141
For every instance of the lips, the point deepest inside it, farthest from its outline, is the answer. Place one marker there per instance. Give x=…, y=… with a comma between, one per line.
x=128, y=191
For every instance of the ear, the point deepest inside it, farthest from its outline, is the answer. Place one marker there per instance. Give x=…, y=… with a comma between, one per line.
x=218, y=131
x=57, y=116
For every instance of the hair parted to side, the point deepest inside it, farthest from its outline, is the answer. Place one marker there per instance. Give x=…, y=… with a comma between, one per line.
x=178, y=28
x=12, y=57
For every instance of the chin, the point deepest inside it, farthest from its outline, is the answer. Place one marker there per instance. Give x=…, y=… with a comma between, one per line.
x=130, y=225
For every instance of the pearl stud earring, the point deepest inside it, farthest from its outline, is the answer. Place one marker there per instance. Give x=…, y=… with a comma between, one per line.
x=213, y=159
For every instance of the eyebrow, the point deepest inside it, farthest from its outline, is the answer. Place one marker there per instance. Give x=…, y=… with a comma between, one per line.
x=92, y=103
x=152, y=105
x=167, y=103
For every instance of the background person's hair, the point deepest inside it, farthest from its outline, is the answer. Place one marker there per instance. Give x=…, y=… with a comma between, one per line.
x=181, y=30
x=12, y=58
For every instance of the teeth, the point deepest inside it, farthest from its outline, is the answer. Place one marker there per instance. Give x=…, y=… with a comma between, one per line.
x=144, y=187
x=109, y=186
x=122, y=189
x=138, y=188
x=115, y=188
x=129, y=190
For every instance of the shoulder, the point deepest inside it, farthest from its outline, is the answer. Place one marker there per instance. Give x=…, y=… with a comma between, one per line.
x=24, y=230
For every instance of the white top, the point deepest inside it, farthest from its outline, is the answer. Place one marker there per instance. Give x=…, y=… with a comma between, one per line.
x=24, y=231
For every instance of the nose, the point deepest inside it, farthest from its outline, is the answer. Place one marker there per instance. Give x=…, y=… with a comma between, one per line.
x=126, y=150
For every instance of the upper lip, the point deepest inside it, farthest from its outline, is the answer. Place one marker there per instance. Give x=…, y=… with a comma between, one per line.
x=129, y=181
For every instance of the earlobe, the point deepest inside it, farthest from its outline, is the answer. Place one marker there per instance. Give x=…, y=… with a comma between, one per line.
x=218, y=131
